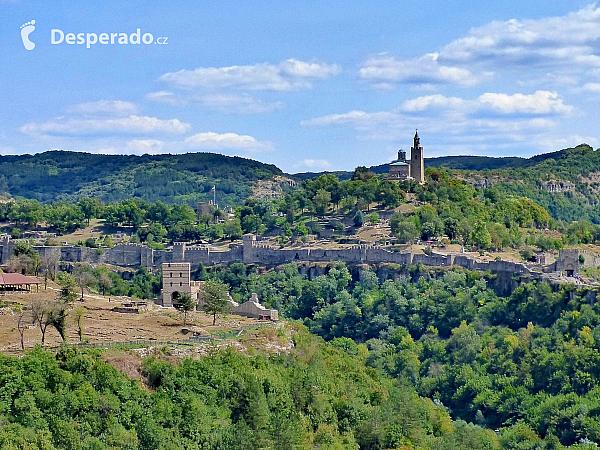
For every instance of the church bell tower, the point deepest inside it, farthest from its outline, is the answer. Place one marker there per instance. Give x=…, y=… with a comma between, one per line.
x=417, y=166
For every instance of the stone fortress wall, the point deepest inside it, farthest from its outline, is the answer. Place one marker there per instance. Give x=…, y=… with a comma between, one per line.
x=253, y=252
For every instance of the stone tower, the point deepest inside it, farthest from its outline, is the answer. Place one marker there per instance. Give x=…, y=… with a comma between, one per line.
x=417, y=166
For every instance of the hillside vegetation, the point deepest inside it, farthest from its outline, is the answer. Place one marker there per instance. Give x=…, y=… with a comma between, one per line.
x=315, y=398
x=526, y=363
x=62, y=175
x=566, y=183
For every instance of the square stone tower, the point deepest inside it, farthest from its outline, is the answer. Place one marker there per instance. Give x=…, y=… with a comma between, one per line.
x=176, y=281
x=417, y=165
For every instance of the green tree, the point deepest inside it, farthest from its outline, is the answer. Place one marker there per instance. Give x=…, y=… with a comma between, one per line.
x=68, y=288
x=57, y=317
x=480, y=236
x=83, y=276
x=104, y=281
x=407, y=231
x=215, y=231
x=214, y=298
x=251, y=223
x=359, y=218
x=40, y=311
x=78, y=315
x=362, y=173
x=232, y=228
x=300, y=230
x=90, y=207
x=321, y=200
x=186, y=304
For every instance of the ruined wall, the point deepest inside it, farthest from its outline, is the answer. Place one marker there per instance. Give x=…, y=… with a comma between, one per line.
x=253, y=252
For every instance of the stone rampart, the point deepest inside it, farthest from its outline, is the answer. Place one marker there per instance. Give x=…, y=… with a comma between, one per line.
x=254, y=252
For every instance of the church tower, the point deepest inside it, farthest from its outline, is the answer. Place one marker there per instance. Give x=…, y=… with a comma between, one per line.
x=417, y=166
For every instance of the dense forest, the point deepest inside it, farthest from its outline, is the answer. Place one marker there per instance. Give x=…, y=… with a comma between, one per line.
x=317, y=397
x=526, y=364
x=61, y=175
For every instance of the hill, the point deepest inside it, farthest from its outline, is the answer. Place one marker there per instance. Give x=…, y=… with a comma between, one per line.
x=566, y=182
x=448, y=162
x=65, y=175
x=454, y=162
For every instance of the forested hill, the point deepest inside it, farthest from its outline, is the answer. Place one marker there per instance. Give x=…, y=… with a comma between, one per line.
x=65, y=175
x=463, y=163
x=448, y=162
x=566, y=183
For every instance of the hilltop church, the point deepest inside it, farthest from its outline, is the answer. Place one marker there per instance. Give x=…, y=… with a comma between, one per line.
x=403, y=169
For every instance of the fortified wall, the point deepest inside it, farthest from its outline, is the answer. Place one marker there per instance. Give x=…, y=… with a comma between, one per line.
x=253, y=252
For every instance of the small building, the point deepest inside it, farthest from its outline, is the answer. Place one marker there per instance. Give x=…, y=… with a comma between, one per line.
x=252, y=308
x=399, y=170
x=15, y=282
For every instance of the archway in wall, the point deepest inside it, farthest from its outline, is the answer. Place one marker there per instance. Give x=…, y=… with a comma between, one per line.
x=175, y=297
x=570, y=270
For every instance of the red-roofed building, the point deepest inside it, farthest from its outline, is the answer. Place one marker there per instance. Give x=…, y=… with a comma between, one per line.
x=17, y=282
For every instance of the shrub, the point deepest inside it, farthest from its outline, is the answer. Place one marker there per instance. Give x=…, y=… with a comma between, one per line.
x=91, y=243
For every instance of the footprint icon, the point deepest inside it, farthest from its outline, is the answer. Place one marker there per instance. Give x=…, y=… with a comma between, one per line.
x=26, y=30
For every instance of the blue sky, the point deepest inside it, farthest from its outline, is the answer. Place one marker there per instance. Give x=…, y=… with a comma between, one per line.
x=306, y=85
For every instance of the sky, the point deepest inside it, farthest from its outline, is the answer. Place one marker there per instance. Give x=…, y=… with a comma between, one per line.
x=306, y=85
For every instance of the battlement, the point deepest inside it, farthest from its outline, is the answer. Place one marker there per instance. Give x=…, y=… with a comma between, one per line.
x=185, y=258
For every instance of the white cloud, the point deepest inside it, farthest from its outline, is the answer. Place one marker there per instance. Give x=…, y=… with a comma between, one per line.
x=591, y=87
x=238, y=104
x=216, y=141
x=564, y=47
x=553, y=143
x=124, y=125
x=488, y=122
x=145, y=146
x=437, y=101
x=303, y=69
x=538, y=103
x=105, y=107
x=166, y=97
x=316, y=163
x=355, y=117
x=488, y=113
x=551, y=79
x=570, y=39
x=288, y=75
x=542, y=102
x=384, y=69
